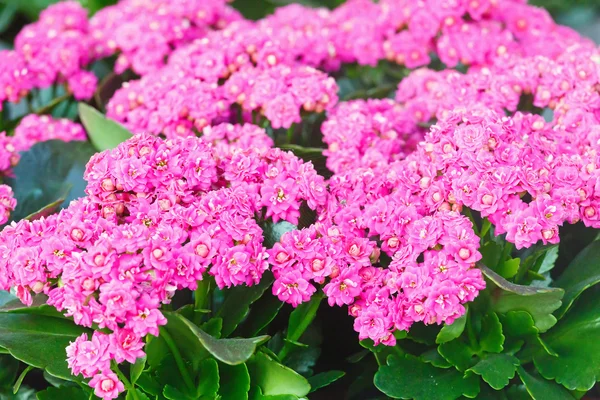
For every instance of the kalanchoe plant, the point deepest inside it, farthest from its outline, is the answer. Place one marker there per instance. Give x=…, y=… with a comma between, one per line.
x=237, y=209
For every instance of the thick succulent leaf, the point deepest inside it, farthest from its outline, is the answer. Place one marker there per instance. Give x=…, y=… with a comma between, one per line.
x=39, y=341
x=574, y=339
x=236, y=380
x=409, y=378
x=274, y=378
x=48, y=172
x=539, y=302
x=496, y=369
x=238, y=301
x=104, y=133
x=451, y=332
x=541, y=389
x=582, y=273
x=228, y=351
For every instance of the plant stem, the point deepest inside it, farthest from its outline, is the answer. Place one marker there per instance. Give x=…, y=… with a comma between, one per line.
x=290, y=133
x=125, y=381
x=309, y=315
x=471, y=334
x=202, y=296
x=378, y=359
x=50, y=106
x=178, y=359
x=467, y=212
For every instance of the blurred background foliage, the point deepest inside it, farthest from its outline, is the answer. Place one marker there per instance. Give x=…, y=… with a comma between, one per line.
x=583, y=15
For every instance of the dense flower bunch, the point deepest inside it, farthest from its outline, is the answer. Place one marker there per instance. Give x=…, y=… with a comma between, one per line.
x=281, y=93
x=369, y=133
x=390, y=209
x=174, y=103
x=168, y=102
x=31, y=130
x=40, y=128
x=145, y=32
x=158, y=215
x=7, y=203
x=55, y=49
x=58, y=48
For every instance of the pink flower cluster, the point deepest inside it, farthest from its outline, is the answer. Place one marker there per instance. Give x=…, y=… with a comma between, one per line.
x=168, y=102
x=144, y=32
x=58, y=48
x=176, y=104
x=54, y=49
x=159, y=214
x=281, y=93
x=369, y=133
x=40, y=128
x=31, y=130
x=7, y=203
x=526, y=175
x=383, y=209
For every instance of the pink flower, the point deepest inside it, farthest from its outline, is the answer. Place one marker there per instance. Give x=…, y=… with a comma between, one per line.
x=106, y=385
x=292, y=288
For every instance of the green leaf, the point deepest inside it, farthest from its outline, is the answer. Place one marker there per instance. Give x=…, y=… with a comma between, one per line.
x=574, y=339
x=408, y=378
x=140, y=395
x=519, y=324
x=137, y=369
x=6, y=297
x=237, y=380
x=49, y=171
x=208, y=387
x=213, y=327
x=257, y=394
x=172, y=385
x=300, y=319
x=548, y=260
x=274, y=378
x=491, y=339
x=186, y=340
x=7, y=14
x=173, y=393
x=46, y=210
x=303, y=359
x=273, y=232
x=63, y=393
x=541, y=389
x=496, y=369
x=229, y=351
x=539, y=302
x=451, y=332
x=39, y=341
x=324, y=379
x=148, y=384
x=19, y=381
x=9, y=367
x=313, y=155
x=156, y=351
x=582, y=273
x=104, y=133
x=302, y=316
x=509, y=268
x=433, y=357
x=37, y=307
x=237, y=303
x=457, y=353
x=262, y=313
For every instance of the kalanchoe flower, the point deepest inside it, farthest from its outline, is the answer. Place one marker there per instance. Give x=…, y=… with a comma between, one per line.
x=159, y=215
x=7, y=203
x=40, y=128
